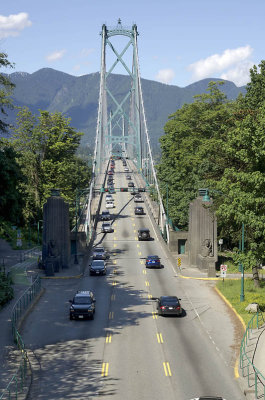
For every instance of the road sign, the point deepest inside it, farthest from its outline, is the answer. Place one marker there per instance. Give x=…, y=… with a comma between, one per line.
x=223, y=274
x=223, y=267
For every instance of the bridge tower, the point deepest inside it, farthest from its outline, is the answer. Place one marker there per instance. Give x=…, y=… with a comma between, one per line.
x=119, y=121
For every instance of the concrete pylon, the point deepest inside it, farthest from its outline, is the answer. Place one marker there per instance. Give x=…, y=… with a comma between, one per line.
x=56, y=234
x=202, y=238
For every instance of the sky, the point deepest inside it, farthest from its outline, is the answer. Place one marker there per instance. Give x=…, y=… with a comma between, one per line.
x=179, y=42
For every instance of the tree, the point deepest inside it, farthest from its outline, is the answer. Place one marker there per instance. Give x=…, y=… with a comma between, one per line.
x=190, y=146
x=6, y=88
x=11, y=201
x=47, y=145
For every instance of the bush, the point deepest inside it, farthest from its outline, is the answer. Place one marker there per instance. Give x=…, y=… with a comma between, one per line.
x=6, y=290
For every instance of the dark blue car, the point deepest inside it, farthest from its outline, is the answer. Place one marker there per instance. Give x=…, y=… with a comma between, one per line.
x=152, y=262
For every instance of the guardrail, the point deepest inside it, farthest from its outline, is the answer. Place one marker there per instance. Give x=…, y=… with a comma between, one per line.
x=19, y=380
x=246, y=364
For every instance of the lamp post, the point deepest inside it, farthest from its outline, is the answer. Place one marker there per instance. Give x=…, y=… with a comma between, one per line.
x=39, y=231
x=242, y=294
x=76, y=259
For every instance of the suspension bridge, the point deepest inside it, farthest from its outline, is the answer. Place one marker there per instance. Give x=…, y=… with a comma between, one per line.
x=122, y=128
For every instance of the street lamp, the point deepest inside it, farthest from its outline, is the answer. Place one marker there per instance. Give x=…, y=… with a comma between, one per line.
x=242, y=294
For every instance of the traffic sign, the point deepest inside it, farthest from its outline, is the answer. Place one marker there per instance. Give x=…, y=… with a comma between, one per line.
x=223, y=267
x=223, y=274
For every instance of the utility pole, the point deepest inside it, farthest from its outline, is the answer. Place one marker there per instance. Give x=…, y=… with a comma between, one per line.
x=242, y=293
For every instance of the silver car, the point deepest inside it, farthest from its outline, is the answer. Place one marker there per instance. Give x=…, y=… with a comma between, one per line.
x=99, y=253
x=106, y=227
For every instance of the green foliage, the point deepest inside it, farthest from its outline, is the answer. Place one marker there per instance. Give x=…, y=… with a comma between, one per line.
x=11, y=200
x=6, y=88
x=220, y=145
x=6, y=290
x=189, y=150
x=231, y=290
x=47, y=145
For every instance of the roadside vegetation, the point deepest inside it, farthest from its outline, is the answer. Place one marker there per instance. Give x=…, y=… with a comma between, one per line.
x=231, y=290
x=220, y=145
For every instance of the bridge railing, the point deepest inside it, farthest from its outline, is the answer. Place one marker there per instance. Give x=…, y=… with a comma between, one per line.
x=21, y=378
x=246, y=363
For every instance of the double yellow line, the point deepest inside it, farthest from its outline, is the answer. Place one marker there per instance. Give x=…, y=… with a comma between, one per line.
x=105, y=369
x=167, y=369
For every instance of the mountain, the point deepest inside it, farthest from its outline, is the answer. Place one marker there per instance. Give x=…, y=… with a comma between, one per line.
x=77, y=97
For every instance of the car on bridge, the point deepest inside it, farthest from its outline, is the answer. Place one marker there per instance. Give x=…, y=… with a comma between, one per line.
x=109, y=197
x=169, y=305
x=105, y=216
x=130, y=184
x=82, y=305
x=144, y=234
x=138, y=198
x=98, y=267
x=139, y=211
x=152, y=262
x=110, y=204
x=99, y=253
x=106, y=228
x=128, y=177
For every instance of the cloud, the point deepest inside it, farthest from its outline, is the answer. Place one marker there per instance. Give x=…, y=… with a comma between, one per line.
x=240, y=74
x=86, y=52
x=217, y=63
x=76, y=67
x=56, y=55
x=165, y=75
x=13, y=24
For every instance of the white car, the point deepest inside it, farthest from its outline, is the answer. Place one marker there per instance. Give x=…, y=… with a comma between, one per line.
x=109, y=197
x=110, y=204
x=126, y=169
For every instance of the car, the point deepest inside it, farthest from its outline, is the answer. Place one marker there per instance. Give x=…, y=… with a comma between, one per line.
x=138, y=210
x=152, y=262
x=110, y=179
x=105, y=216
x=128, y=177
x=138, y=198
x=208, y=398
x=82, y=305
x=99, y=253
x=109, y=204
x=169, y=305
x=126, y=169
x=106, y=227
x=110, y=172
x=144, y=234
x=98, y=267
x=130, y=184
x=109, y=197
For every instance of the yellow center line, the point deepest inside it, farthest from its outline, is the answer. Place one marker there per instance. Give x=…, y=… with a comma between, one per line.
x=108, y=338
x=141, y=261
x=149, y=296
x=138, y=245
x=133, y=224
x=159, y=338
x=105, y=369
x=114, y=224
x=115, y=238
x=115, y=245
x=114, y=254
x=114, y=283
x=144, y=271
x=147, y=283
x=154, y=314
x=134, y=230
x=113, y=297
x=136, y=238
x=139, y=253
x=111, y=314
x=114, y=262
x=132, y=219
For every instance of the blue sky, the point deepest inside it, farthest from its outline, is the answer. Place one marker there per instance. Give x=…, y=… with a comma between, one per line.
x=179, y=42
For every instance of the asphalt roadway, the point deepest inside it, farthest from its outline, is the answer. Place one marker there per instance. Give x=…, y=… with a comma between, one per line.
x=127, y=351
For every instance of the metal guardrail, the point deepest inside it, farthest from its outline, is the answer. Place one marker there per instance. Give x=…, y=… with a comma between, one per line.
x=246, y=364
x=19, y=380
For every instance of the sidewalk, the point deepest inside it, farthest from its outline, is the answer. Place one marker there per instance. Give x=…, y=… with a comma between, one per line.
x=22, y=273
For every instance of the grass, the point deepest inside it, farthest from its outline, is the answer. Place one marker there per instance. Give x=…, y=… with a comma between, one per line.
x=231, y=289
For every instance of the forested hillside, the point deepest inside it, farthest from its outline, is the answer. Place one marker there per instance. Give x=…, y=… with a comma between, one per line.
x=77, y=97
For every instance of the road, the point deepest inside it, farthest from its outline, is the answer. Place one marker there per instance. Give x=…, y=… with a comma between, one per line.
x=127, y=351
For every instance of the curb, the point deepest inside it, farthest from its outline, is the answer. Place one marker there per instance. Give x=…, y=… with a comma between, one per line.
x=62, y=277
x=236, y=369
